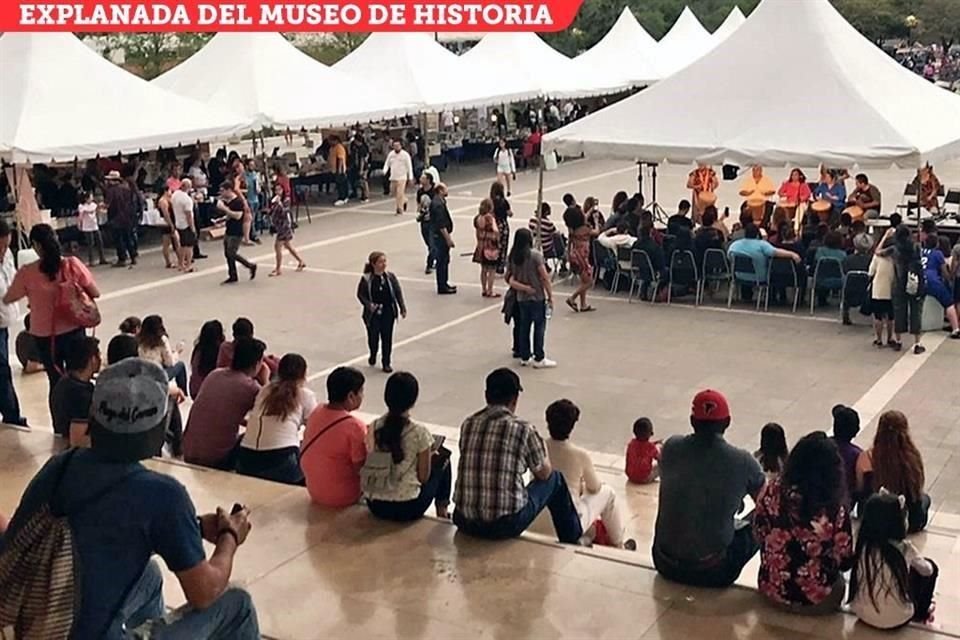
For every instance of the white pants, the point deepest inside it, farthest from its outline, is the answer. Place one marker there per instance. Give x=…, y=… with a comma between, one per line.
x=602, y=506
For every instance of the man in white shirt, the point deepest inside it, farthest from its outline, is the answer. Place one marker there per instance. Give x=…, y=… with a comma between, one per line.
x=186, y=225
x=9, y=316
x=399, y=166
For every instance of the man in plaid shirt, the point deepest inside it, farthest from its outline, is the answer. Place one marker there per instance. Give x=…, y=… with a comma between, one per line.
x=496, y=449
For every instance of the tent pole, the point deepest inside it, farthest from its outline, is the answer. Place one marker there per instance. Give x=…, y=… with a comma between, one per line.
x=541, y=161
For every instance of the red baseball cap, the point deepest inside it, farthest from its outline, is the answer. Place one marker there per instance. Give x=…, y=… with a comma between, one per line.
x=710, y=405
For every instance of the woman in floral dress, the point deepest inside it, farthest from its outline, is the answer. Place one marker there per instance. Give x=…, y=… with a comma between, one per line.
x=283, y=230
x=487, y=252
x=581, y=235
x=803, y=528
x=501, y=213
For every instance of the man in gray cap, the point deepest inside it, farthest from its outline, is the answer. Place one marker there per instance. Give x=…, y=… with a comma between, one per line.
x=121, y=513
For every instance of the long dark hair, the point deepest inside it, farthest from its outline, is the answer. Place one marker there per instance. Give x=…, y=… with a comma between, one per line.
x=283, y=394
x=399, y=394
x=897, y=463
x=773, y=447
x=151, y=332
x=44, y=238
x=522, y=243
x=207, y=346
x=884, y=521
x=814, y=470
x=496, y=191
x=906, y=249
x=372, y=260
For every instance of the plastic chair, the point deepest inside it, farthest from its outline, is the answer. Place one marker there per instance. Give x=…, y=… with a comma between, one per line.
x=623, y=267
x=716, y=269
x=744, y=265
x=782, y=273
x=951, y=203
x=856, y=284
x=683, y=272
x=825, y=269
x=641, y=270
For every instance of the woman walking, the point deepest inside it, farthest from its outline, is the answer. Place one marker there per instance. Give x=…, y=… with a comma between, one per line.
x=270, y=448
x=55, y=331
x=501, y=214
x=487, y=250
x=506, y=165
x=581, y=234
x=283, y=230
x=406, y=470
x=380, y=295
x=527, y=275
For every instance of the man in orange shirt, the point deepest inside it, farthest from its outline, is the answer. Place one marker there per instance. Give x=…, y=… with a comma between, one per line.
x=333, y=449
x=337, y=163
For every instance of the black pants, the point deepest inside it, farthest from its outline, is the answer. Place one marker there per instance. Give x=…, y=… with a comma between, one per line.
x=435, y=490
x=343, y=186
x=921, y=591
x=380, y=336
x=722, y=573
x=125, y=243
x=231, y=251
x=441, y=254
x=278, y=465
x=53, y=355
x=9, y=403
x=425, y=233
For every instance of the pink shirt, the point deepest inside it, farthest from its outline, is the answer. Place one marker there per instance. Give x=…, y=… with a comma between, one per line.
x=218, y=411
x=332, y=464
x=41, y=294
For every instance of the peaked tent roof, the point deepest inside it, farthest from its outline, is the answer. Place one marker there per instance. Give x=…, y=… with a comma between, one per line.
x=61, y=100
x=686, y=42
x=732, y=22
x=626, y=49
x=526, y=60
x=866, y=109
x=417, y=70
x=266, y=67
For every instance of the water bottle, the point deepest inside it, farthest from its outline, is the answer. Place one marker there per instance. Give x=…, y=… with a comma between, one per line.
x=549, y=312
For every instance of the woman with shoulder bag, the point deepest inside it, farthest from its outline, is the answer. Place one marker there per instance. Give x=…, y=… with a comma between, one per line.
x=406, y=470
x=61, y=293
x=382, y=298
x=487, y=252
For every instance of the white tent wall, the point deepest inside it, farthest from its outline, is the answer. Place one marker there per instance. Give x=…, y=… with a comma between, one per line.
x=733, y=21
x=627, y=51
x=844, y=102
x=274, y=83
x=686, y=42
x=60, y=100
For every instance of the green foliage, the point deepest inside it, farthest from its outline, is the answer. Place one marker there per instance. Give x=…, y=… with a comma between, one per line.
x=150, y=54
x=332, y=47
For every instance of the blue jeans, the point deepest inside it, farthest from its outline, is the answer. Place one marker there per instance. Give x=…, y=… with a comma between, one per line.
x=125, y=242
x=551, y=493
x=533, y=313
x=9, y=403
x=435, y=490
x=232, y=616
x=178, y=373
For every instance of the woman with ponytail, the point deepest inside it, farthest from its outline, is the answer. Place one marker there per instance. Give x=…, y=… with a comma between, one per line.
x=271, y=446
x=406, y=469
x=380, y=295
x=55, y=334
x=894, y=463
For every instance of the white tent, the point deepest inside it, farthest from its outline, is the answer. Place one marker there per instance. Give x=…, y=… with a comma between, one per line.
x=686, y=42
x=838, y=99
x=417, y=70
x=273, y=82
x=626, y=50
x=60, y=100
x=731, y=24
x=525, y=60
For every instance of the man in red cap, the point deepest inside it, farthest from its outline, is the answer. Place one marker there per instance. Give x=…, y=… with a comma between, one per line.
x=703, y=480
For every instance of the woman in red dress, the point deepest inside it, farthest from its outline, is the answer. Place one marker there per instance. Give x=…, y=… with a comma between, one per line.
x=580, y=234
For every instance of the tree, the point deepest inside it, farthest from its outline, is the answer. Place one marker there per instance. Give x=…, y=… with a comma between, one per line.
x=150, y=54
x=333, y=47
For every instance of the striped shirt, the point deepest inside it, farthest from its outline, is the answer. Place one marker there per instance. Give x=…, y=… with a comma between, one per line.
x=547, y=231
x=496, y=449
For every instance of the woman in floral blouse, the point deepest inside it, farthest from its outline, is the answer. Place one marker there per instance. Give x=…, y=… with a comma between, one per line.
x=803, y=529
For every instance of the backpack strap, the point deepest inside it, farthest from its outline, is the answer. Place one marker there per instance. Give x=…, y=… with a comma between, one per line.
x=323, y=431
x=86, y=502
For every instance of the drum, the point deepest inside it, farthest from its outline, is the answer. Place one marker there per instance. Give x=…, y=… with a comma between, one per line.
x=856, y=212
x=757, y=206
x=789, y=208
x=822, y=208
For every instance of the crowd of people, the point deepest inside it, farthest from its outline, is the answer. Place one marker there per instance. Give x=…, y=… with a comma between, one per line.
x=932, y=62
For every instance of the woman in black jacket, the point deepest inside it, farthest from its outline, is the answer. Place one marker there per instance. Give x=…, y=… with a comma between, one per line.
x=382, y=298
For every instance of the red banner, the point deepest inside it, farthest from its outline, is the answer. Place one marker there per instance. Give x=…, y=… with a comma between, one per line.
x=254, y=15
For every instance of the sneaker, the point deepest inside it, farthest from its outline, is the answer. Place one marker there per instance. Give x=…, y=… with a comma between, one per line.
x=896, y=346
x=253, y=272
x=364, y=200
x=918, y=349
x=448, y=291
x=524, y=363
x=119, y=263
x=546, y=363
x=229, y=281
x=387, y=369
x=340, y=203
x=955, y=335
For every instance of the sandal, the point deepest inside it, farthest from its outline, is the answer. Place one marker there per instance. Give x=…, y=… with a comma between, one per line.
x=274, y=274
x=494, y=295
x=301, y=266
x=878, y=343
x=587, y=308
x=572, y=305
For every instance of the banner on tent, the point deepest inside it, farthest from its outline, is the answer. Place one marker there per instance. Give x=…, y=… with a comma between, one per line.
x=257, y=15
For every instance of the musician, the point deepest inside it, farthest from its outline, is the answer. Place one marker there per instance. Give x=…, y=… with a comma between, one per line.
x=831, y=189
x=866, y=196
x=702, y=180
x=929, y=189
x=795, y=190
x=756, y=188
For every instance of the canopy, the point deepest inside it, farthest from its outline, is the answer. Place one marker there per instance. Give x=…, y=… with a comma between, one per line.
x=686, y=42
x=272, y=82
x=731, y=24
x=525, y=60
x=627, y=50
x=838, y=99
x=60, y=100
x=416, y=70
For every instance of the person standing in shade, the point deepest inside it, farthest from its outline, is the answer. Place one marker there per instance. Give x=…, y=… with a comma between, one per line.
x=527, y=275
x=121, y=202
x=9, y=316
x=501, y=214
x=399, y=167
x=358, y=163
x=337, y=165
x=441, y=226
x=381, y=296
x=424, y=197
x=232, y=206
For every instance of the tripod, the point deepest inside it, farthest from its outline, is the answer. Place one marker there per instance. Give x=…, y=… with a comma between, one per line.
x=659, y=215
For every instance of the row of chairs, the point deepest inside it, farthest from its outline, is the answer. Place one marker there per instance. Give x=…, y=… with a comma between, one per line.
x=717, y=269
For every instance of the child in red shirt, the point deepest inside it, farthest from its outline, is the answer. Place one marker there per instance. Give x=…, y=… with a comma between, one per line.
x=643, y=456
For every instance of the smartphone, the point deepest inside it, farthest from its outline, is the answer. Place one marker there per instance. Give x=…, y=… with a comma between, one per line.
x=237, y=508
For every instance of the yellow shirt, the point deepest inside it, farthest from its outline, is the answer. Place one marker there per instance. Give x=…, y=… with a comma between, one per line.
x=757, y=189
x=337, y=158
